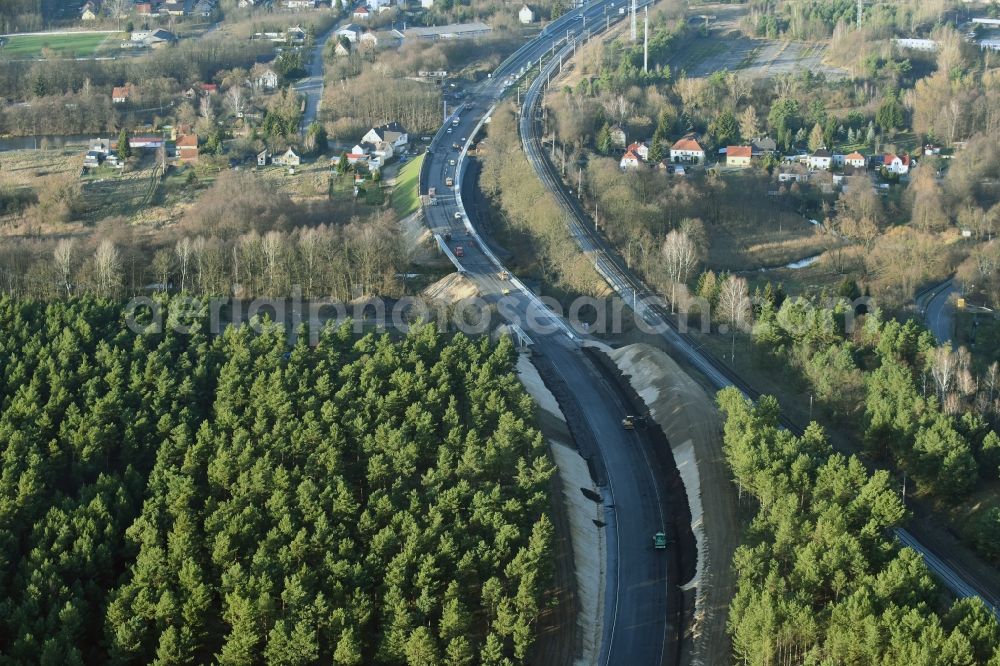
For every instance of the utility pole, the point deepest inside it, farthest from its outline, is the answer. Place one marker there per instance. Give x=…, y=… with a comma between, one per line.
x=445, y=119
x=633, y=21
x=645, y=43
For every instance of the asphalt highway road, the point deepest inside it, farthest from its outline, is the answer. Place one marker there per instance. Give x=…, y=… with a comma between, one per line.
x=653, y=313
x=636, y=627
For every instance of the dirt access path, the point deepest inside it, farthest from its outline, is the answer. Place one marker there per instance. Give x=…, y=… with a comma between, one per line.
x=693, y=426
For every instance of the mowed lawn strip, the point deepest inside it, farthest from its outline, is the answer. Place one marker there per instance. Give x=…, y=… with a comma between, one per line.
x=26, y=46
x=406, y=194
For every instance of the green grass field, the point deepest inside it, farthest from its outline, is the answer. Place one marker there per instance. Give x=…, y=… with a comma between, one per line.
x=30, y=46
x=406, y=194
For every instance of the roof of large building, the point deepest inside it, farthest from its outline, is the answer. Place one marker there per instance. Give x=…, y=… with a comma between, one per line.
x=450, y=30
x=187, y=141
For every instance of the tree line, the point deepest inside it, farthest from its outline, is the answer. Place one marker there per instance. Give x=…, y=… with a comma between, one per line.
x=820, y=578
x=184, y=498
x=244, y=239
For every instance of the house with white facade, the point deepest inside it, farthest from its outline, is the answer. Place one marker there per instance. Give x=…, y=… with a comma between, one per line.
x=855, y=159
x=526, y=15
x=687, y=151
x=392, y=133
x=641, y=149
x=821, y=160
x=897, y=164
x=629, y=161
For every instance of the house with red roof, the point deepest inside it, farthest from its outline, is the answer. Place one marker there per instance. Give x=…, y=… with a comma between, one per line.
x=362, y=13
x=120, y=94
x=640, y=149
x=855, y=159
x=897, y=164
x=738, y=156
x=687, y=151
x=629, y=161
x=187, y=148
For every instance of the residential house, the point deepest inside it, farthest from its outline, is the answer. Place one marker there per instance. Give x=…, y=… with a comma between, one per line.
x=763, y=146
x=265, y=77
x=175, y=7
x=393, y=133
x=100, y=146
x=618, y=136
x=822, y=159
x=640, y=149
x=113, y=160
x=897, y=164
x=426, y=4
x=300, y=4
x=738, y=156
x=687, y=151
x=144, y=8
x=296, y=34
x=341, y=50
x=243, y=4
x=187, y=148
x=121, y=94
x=209, y=88
x=263, y=157
x=525, y=15
x=354, y=157
x=361, y=13
x=92, y=160
x=629, y=161
x=88, y=12
x=288, y=158
x=352, y=31
x=377, y=5
x=203, y=8
x=855, y=159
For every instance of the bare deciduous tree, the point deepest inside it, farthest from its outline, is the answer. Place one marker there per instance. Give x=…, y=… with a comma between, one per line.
x=749, y=125
x=734, y=307
x=107, y=268
x=236, y=101
x=63, y=256
x=183, y=252
x=680, y=256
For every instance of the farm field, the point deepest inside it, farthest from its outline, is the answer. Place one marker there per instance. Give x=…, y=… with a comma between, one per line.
x=31, y=46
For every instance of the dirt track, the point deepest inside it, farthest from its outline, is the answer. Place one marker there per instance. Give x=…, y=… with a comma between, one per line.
x=692, y=425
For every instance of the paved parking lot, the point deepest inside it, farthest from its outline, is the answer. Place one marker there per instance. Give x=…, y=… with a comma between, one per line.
x=727, y=49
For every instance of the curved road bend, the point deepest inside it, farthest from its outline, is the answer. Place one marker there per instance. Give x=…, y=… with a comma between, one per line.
x=635, y=623
x=939, y=310
x=954, y=576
